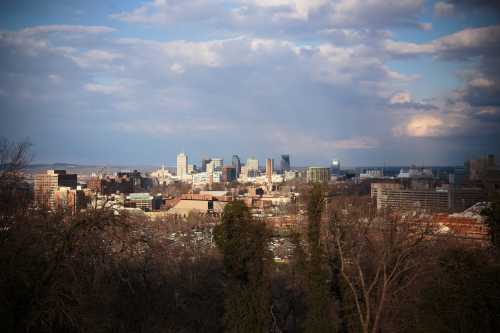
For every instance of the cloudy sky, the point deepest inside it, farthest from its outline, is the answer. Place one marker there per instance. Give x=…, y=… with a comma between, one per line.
x=370, y=82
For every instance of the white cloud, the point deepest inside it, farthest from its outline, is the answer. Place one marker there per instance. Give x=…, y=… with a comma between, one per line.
x=462, y=44
x=104, y=89
x=177, y=68
x=481, y=82
x=442, y=8
x=429, y=125
x=273, y=15
x=95, y=58
x=80, y=29
x=401, y=98
x=55, y=78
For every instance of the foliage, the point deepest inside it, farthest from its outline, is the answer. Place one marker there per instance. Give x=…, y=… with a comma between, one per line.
x=318, y=318
x=243, y=242
x=464, y=296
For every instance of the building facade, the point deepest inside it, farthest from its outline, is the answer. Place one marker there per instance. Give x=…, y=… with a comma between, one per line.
x=269, y=170
x=46, y=184
x=252, y=164
x=285, y=163
x=318, y=175
x=182, y=165
x=236, y=163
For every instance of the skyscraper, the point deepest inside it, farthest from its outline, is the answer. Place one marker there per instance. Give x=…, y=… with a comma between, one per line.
x=182, y=165
x=46, y=184
x=252, y=164
x=285, y=162
x=217, y=163
x=204, y=163
x=335, y=167
x=269, y=170
x=237, y=165
x=229, y=173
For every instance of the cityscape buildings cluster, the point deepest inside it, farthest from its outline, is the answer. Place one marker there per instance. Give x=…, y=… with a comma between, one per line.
x=268, y=191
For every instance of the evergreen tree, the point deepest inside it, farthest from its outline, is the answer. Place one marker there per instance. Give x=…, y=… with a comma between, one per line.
x=244, y=243
x=493, y=220
x=318, y=317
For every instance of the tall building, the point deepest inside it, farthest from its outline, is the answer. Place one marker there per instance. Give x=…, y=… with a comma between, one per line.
x=236, y=163
x=217, y=163
x=46, y=184
x=318, y=175
x=182, y=165
x=252, y=164
x=269, y=170
x=204, y=163
x=335, y=167
x=229, y=173
x=69, y=199
x=285, y=163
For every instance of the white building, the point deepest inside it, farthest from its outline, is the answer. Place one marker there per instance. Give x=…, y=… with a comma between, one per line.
x=163, y=176
x=252, y=164
x=182, y=165
x=415, y=172
x=202, y=178
x=375, y=173
x=289, y=175
x=217, y=163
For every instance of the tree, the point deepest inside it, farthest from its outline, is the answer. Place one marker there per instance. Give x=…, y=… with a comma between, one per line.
x=378, y=258
x=14, y=192
x=492, y=214
x=243, y=242
x=463, y=294
x=318, y=317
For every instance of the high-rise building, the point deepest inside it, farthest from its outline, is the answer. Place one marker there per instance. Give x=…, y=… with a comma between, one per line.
x=252, y=164
x=335, y=167
x=269, y=170
x=285, y=163
x=47, y=183
x=228, y=173
x=217, y=163
x=236, y=163
x=204, y=163
x=318, y=175
x=182, y=165
x=69, y=199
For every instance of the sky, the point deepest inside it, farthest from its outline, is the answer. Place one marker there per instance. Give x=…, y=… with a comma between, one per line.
x=368, y=82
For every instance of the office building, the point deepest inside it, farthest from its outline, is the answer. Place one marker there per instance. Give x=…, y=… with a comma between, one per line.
x=252, y=164
x=182, y=165
x=285, y=163
x=143, y=201
x=318, y=175
x=269, y=170
x=409, y=199
x=335, y=167
x=228, y=173
x=47, y=183
x=204, y=163
x=236, y=163
x=370, y=174
x=392, y=195
x=72, y=200
x=217, y=163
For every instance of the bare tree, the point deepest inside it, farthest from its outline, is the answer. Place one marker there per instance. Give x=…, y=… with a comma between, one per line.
x=378, y=258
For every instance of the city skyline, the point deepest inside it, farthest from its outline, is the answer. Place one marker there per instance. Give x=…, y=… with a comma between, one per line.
x=136, y=82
